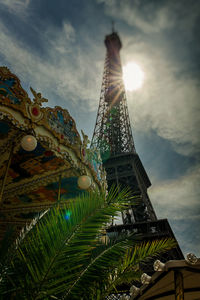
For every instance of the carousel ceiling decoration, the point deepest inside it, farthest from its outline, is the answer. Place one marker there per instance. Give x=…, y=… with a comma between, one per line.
x=31, y=181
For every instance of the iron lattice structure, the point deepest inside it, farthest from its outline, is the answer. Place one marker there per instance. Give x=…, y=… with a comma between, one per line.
x=112, y=132
x=113, y=137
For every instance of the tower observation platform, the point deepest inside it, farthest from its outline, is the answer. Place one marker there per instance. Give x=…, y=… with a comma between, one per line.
x=113, y=137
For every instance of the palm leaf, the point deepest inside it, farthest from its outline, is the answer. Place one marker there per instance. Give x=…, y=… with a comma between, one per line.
x=127, y=270
x=62, y=256
x=50, y=250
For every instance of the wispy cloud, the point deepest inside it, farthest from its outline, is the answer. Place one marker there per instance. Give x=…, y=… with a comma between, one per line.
x=168, y=104
x=178, y=200
x=181, y=195
x=62, y=41
x=132, y=14
x=187, y=232
x=151, y=16
x=64, y=65
x=17, y=7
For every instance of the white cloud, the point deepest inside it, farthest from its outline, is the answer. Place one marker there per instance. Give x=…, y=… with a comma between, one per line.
x=18, y=7
x=187, y=233
x=178, y=199
x=168, y=103
x=61, y=42
x=149, y=20
x=63, y=70
x=152, y=17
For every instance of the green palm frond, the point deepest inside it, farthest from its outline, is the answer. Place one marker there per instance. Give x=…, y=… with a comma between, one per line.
x=62, y=256
x=127, y=270
x=53, y=252
x=119, y=265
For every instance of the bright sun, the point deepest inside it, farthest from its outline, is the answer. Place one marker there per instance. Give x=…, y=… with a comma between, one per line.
x=133, y=76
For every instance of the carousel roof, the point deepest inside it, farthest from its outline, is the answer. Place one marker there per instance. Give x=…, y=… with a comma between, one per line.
x=178, y=279
x=30, y=180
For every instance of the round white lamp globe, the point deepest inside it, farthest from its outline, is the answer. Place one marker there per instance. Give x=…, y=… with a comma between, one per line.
x=158, y=265
x=84, y=182
x=29, y=143
x=145, y=279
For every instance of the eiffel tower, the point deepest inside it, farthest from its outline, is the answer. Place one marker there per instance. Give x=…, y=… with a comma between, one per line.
x=113, y=137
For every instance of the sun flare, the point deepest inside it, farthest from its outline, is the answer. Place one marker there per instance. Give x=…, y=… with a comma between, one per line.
x=133, y=76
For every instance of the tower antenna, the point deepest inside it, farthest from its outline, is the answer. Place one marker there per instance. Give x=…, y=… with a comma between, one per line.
x=113, y=26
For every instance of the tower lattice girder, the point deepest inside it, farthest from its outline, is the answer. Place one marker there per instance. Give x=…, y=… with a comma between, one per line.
x=113, y=137
x=113, y=131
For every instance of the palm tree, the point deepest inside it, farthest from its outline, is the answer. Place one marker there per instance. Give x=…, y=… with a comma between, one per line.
x=62, y=256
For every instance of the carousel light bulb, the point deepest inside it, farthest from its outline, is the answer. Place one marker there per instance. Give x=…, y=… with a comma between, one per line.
x=158, y=265
x=29, y=143
x=134, y=290
x=84, y=182
x=191, y=258
x=145, y=279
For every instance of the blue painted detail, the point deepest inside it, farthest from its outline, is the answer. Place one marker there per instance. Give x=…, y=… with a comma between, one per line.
x=69, y=188
x=60, y=117
x=94, y=160
x=6, y=91
x=58, y=124
x=10, y=82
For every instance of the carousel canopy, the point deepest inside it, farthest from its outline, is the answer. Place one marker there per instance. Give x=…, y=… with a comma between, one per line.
x=176, y=279
x=31, y=181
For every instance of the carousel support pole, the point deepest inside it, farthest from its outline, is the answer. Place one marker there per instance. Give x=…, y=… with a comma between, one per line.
x=178, y=283
x=59, y=187
x=6, y=172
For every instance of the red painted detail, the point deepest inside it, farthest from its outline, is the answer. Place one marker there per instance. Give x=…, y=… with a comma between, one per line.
x=58, y=149
x=62, y=136
x=48, y=153
x=35, y=111
x=83, y=152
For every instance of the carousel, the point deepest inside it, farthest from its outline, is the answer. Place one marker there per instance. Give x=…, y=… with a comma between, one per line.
x=42, y=156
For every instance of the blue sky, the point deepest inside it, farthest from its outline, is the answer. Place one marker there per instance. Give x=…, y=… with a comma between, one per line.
x=57, y=48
